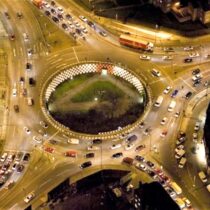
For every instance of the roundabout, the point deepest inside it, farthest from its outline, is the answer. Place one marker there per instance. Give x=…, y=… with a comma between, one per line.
x=95, y=98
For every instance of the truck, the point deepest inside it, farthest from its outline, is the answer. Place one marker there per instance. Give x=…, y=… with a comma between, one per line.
x=159, y=101
x=171, y=106
x=136, y=42
x=177, y=189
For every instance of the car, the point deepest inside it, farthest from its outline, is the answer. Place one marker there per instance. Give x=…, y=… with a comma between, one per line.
x=31, y=81
x=129, y=146
x=29, y=52
x=131, y=139
x=28, y=66
x=116, y=146
x=139, y=158
x=19, y=15
x=86, y=164
x=53, y=11
x=14, y=90
x=151, y=173
x=164, y=133
x=9, y=184
x=187, y=202
x=167, y=57
x=71, y=153
x=197, y=77
x=207, y=56
x=197, y=126
x=180, y=153
x=19, y=156
x=47, y=13
x=68, y=17
x=25, y=36
x=196, y=83
x=177, y=114
x=168, y=49
x=22, y=80
x=60, y=9
x=155, y=72
x=167, y=89
x=55, y=19
x=91, y=24
x=64, y=26
x=27, y=130
x=188, y=95
x=170, y=191
x=117, y=155
x=14, y=166
x=194, y=54
x=43, y=124
x=140, y=147
x=83, y=18
x=147, y=131
x=37, y=139
x=188, y=60
x=78, y=31
x=202, y=176
x=26, y=157
x=141, y=166
x=72, y=140
x=164, y=120
x=23, y=92
x=179, y=147
x=206, y=83
x=96, y=141
x=49, y=149
x=188, y=48
x=53, y=3
x=92, y=148
x=84, y=30
x=16, y=108
x=174, y=93
x=195, y=137
x=12, y=37
x=150, y=164
x=142, y=124
x=89, y=155
x=53, y=141
x=29, y=197
x=145, y=57
x=196, y=71
x=180, y=141
x=11, y=157
x=42, y=132
x=20, y=168
x=7, y=15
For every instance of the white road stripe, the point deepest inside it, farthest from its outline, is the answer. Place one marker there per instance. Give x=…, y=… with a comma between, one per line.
x=14, y=52
x=75, y=54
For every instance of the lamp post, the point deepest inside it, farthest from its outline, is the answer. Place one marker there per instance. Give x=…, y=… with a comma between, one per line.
x=156, y=30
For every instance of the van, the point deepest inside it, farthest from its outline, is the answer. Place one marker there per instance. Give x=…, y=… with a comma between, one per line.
x=182, y=162
x=128, y=160
x=30, y=101
x=73, y=141
x=176, y=188
x=202, y=176
x=159, y=101
x=180, y=153
x=171, y=106
x=155, y=72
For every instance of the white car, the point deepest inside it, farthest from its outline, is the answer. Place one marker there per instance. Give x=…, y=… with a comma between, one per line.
x=141, y=166
x=197, y=77
x=116, y=146
x=83, y=18
x=195, y=135
x=14, y=91
x=163, y=121
x=92, y=148
x=27, y=130
x=42, y=132
x=43, y=124
x=29, y=197
x=60, y=10
x=188, y=48
x=129, y=146
x=167, y=90
x=194, y=54
x=197, y=126
x=167, y=57
x=37, y=139
x=145, y=57
x=178, y=148
x=177, y=114
x=29, y=52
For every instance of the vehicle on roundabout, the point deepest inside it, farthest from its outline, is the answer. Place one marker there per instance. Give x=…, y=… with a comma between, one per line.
x=167, y=89
x=145, y=57
x=27, y=130
x=37, y=139
x=29, y=197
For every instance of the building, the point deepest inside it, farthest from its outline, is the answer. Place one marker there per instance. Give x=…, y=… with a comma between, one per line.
x=185, y=10
x=206, y=138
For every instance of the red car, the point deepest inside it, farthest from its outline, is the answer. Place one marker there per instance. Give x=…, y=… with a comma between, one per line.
x=71, y=154
x=140, y=147
x=49, y=149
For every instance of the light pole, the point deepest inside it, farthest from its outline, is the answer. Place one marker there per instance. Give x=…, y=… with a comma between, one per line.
x=156, y=30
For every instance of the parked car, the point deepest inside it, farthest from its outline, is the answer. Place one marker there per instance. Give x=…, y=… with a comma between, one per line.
x=86, y=164
x=117, y=155
x=29, y=197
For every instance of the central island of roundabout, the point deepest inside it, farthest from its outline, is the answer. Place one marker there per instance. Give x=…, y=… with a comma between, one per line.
x=95, y=100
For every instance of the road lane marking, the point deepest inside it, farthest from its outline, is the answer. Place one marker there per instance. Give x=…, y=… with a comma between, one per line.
x=75, y=54
x=188, y=84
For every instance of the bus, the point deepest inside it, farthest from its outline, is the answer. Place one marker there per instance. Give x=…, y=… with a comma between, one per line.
x=136, y=42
